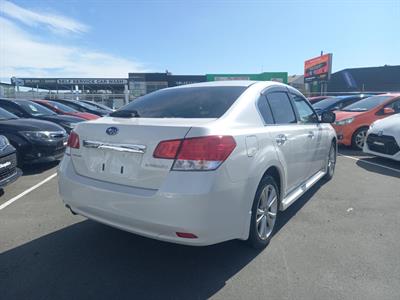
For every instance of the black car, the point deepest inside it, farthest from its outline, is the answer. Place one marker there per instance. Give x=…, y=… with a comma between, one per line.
x=36, y=141
x=337, y=103
x=97, y=105
x=29, y=109
x=83, y=107
x=8, y=163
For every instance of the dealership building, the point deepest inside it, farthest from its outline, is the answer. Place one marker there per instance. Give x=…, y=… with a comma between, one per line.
x=136, y=85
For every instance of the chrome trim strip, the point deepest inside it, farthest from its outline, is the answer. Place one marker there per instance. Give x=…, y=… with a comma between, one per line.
x=130, y=148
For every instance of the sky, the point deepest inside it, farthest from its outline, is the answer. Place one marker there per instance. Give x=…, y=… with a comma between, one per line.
x=100, y=38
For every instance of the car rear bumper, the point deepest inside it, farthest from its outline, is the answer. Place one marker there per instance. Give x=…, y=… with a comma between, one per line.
x=211, y=208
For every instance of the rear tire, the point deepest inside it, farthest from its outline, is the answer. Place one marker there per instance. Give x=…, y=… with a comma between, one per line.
x=358, y=138
x=331, y=162
x=264, y=213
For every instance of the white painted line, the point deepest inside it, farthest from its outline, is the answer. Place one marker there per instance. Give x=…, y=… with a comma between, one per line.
x=4, y=205
x=371, y=163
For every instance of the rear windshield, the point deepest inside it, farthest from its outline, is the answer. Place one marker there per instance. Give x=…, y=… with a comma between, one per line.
x=367, y=104
x=193, y=102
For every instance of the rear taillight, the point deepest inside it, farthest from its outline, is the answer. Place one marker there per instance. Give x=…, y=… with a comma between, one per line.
x=73, y=140
x=199, y=153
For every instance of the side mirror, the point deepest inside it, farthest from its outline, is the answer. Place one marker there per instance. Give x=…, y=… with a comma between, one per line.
x=388, y=111
x=328, y=117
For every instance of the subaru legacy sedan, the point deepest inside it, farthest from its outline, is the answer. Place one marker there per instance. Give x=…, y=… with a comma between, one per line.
x=199, y=164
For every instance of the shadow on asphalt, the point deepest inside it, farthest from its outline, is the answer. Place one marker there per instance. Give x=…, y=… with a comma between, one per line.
x=38, y=168
x=88, y=260
x=363, y=163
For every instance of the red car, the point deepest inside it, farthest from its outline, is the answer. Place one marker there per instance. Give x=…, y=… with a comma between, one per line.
x=353, y=121
x=62, y=109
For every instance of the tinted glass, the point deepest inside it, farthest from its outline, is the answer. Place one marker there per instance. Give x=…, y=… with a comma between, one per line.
x=34, y=109
x=306, y=114
x=326, y=103
x=191, y=102
x=62, y=107
x=11, y=108
x=395, y=105
x=5, y=115
x=367, y=104
x=265, y=110
x=281, y=108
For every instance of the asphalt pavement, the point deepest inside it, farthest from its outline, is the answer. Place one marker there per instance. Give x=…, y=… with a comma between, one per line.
x=341, y=240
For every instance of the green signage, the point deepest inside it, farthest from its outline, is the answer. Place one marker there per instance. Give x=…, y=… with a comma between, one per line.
x=265, y=76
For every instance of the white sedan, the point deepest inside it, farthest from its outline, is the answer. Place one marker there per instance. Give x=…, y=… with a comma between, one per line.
x=383, y=138
x=199, y=164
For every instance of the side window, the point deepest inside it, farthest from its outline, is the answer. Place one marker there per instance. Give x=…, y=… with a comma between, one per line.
x=281, y=108
x=306, y=114
x=265, y=110
x=395, y=105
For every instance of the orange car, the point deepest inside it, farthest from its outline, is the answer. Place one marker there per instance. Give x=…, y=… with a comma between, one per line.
x=353, y=121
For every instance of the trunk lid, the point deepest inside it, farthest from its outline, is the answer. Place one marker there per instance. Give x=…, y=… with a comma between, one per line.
x=124, y=155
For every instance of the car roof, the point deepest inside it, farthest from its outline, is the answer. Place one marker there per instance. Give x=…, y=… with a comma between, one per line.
x=222, y=83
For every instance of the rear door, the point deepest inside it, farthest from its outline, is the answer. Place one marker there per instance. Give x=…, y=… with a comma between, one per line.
x=290, y=139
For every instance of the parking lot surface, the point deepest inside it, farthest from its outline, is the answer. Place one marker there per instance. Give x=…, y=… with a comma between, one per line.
x=341, y=240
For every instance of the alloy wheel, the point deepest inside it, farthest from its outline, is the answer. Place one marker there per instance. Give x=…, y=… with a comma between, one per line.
x=360, y=138
x=267, y=209
x=332, y=160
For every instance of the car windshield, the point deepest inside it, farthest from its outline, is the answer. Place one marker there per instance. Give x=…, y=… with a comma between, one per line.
x=367, y=103
x=193, y=102
x=86, y=105
x=5, y=115
x=62, y=107
x=324, y=104
x=35, y=109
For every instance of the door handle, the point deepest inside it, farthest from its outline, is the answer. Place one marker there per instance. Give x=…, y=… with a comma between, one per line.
x=311, y=135
x=281, y=139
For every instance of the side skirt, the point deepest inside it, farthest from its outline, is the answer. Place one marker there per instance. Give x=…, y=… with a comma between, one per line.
x=298, y=192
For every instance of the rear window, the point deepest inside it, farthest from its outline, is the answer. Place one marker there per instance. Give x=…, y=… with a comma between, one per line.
x=193, y=102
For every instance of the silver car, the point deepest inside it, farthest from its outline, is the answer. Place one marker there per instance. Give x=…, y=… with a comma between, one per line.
x=199, y=164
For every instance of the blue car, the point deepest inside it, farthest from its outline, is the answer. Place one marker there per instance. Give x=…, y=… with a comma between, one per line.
x=337, y=103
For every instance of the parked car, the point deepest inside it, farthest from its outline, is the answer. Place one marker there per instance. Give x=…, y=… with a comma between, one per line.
x=83, y=107
x=383, y=138
x=63, y=109
x=337, y=103
x=8, y=162
x=353, y=121
x=316, y=99
x=199, y=164
x=98, y=105
x=32, y=110
x=36, y=141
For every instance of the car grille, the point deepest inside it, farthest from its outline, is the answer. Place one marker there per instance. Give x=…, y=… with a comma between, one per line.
x=6, y=172
x=385, y=144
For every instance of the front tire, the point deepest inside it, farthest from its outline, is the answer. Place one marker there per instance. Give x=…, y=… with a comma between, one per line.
x=358, y=138
x=264, y=213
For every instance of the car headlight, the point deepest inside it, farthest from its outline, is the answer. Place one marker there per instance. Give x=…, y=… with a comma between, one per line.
x=37, y=135
x=344, y=122
x=3, y=142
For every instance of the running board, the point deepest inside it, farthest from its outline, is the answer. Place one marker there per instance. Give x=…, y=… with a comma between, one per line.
x=297, y=193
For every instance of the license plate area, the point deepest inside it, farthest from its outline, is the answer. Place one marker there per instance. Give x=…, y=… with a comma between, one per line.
x=114, y=163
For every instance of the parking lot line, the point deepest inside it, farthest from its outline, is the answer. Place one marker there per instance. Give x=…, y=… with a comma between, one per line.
x=4, y=205
x=371, y=163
